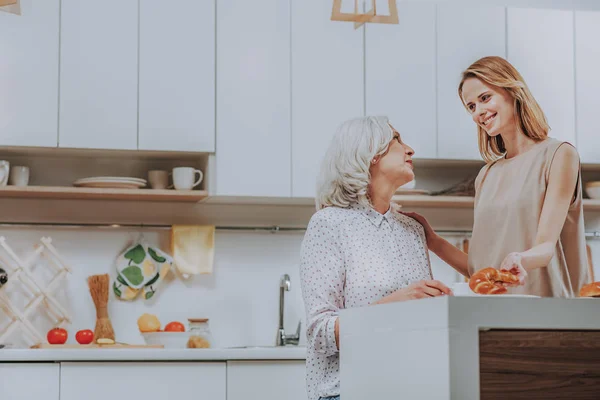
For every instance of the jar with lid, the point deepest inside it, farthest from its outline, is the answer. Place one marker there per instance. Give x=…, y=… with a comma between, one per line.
x=200, y=335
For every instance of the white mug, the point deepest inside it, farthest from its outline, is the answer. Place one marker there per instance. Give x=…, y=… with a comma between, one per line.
x=19, y=176
x=4, y=171
x=158, y=179
x=183, y=178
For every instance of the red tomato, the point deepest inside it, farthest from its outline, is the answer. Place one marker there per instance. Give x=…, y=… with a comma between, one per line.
x=85, y=336
x=57, y=336
x=174, y=327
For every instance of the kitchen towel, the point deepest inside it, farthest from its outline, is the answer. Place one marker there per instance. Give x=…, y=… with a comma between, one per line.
x=140, y=269
x=192, y=247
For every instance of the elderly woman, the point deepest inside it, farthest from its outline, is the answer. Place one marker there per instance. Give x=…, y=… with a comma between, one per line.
x=357, y=250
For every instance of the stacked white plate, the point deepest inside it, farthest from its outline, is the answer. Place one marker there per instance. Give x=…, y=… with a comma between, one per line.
x=113, y=182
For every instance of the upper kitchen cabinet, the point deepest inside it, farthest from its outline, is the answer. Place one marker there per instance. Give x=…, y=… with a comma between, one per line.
x=464, y=35
x=99, y=74
x=29, y=74
x=540, y=47
x=400, y=75
x=253, y=98
x=177, y=76
x=327, y=86
x=587, y=73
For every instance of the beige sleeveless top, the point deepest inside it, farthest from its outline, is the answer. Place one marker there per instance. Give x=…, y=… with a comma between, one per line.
x=509, y=195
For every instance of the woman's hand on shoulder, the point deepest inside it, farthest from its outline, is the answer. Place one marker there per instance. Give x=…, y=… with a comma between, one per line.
x=418, y=290
x=430, y=235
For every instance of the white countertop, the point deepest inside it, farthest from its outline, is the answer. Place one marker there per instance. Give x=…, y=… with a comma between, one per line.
x=226, y=354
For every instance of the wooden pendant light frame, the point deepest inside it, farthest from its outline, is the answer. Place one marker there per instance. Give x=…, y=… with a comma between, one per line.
x=370, y=16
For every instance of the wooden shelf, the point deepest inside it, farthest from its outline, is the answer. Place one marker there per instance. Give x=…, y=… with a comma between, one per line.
x=79, y=193
x=194, y=196
x=591, y=205
x=463, y=202
x=434, y=201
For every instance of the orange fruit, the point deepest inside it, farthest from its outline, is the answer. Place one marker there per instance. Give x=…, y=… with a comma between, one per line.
x=174, y=327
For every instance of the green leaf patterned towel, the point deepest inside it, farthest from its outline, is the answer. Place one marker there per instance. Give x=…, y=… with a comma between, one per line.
x=140, y=269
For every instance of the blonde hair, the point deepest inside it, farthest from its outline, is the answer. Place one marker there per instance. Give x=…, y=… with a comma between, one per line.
x=531, y=121
x=345, y=174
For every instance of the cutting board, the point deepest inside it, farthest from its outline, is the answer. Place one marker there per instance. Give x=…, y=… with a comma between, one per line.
x=96, y=346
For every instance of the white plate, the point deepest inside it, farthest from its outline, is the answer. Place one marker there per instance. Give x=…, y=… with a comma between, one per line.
x=402, y=191
x=112, y=184
x=110, y=178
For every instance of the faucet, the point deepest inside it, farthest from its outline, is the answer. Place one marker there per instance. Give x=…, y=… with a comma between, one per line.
x=282, y=339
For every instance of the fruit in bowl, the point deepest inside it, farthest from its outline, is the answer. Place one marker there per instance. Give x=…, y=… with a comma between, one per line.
x=148, y=323
x=174, y=326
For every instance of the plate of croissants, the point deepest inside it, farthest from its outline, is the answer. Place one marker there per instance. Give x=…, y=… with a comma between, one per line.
x=493, y=283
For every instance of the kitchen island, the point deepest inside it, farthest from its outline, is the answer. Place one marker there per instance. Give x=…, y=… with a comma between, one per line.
x=483, y=347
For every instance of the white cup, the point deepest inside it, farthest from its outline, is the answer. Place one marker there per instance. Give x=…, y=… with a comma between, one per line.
x=19, y=176
x=183, y=178
x=158, y=179
x=4, y=171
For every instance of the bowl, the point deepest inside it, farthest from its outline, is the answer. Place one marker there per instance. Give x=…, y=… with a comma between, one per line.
x=170, y=340
x=593, y=189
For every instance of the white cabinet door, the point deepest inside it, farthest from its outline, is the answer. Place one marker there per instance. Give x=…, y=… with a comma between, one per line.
x=99, y=74
x=29, y=381
x=327, y=86
x=465, y=34
x=253, y=98
x=177, y=75
x=148, y=381
x=540, y=46
x=29, y=75
x=400, y=75
x=266, y=380
x=587, y=72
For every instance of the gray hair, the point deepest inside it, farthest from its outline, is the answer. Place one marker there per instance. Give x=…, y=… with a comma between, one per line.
x=345, y=176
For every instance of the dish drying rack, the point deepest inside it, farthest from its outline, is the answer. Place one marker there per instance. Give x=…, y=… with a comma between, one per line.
x=20, y=273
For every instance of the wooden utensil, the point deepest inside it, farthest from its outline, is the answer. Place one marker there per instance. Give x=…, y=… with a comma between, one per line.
x=99, y=285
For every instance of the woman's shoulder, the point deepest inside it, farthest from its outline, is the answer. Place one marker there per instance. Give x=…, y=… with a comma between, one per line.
x=560, y=150
x=332, y=216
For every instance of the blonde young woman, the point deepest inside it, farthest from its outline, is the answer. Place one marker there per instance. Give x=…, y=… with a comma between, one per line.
x=357, y=251
x=528, y=201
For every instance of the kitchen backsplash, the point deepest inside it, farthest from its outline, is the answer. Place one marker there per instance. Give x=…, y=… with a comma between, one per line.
x=241, y=296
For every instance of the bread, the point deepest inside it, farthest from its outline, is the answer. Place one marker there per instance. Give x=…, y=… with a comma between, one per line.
x=490, y=281
x=590, y=290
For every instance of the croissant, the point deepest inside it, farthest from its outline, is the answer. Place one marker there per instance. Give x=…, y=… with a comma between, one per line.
x=590, y=290
x=488, y=281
